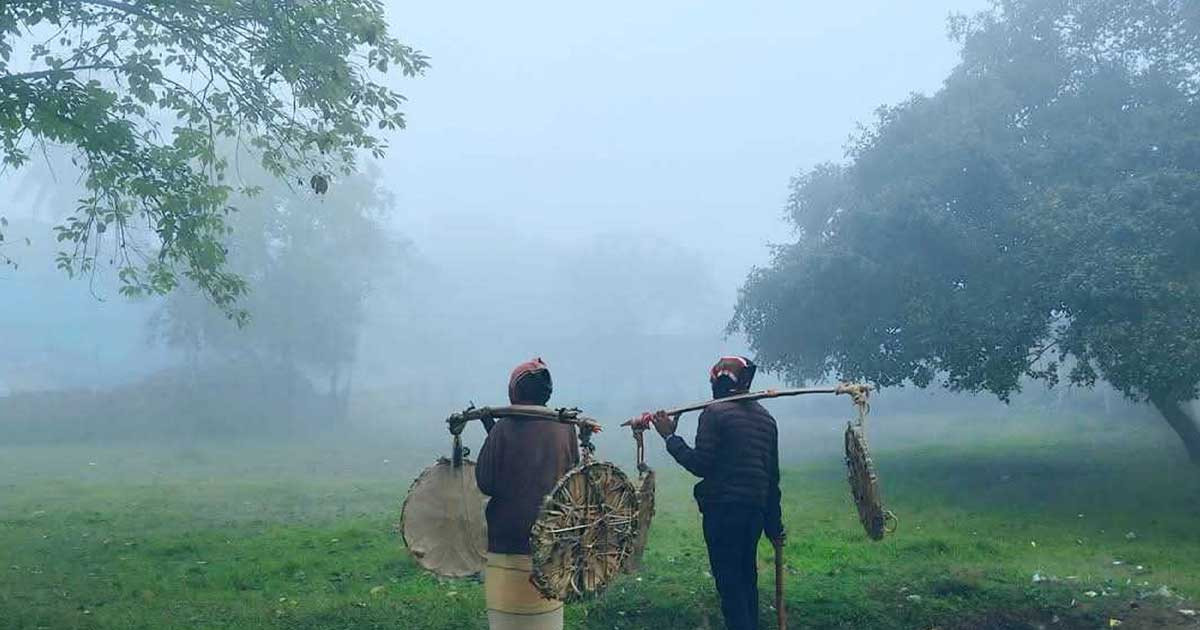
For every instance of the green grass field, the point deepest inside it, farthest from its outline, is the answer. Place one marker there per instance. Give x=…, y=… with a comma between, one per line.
x=303, y=537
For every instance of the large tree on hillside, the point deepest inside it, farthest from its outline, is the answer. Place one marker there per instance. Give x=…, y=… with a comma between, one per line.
x=1039, y=215
x=145, y=92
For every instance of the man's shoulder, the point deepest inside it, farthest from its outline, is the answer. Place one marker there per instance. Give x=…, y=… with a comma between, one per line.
x=714, y=412
x=738, y=407
x=533, y=424
x=761, y=410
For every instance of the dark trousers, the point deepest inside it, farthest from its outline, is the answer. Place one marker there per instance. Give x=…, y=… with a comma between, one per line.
x=731, y=533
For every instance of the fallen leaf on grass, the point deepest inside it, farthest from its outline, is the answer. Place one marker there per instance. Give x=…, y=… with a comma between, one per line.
x=377, y=590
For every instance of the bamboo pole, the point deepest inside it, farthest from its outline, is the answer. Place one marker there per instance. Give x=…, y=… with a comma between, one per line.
x=853, y=389
x=565, y=416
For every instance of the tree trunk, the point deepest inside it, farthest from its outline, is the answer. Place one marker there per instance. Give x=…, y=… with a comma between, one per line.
x=1184, y=424
x=335, y=394
x=345, y=395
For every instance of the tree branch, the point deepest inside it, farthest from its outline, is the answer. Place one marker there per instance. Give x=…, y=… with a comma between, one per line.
x=30, y=76
x=1037, y=353
x=131, y=9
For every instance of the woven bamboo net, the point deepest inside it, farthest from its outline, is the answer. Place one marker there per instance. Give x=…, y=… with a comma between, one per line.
x=864, y=481
x=645, y=493
x=586, y=529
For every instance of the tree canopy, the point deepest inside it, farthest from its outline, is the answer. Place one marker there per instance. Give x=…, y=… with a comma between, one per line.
x=1039, y=215
x=146, y=92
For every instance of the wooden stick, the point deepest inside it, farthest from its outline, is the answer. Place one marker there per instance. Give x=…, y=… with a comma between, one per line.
x=565, y=416
x=852, y=389
x=780, y=606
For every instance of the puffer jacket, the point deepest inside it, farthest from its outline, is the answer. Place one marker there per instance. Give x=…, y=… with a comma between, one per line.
x=737, y=459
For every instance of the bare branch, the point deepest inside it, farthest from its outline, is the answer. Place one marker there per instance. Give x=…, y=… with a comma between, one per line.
x=41, y=74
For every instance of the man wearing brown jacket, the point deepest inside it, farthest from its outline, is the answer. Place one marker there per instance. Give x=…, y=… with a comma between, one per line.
x=521, y=461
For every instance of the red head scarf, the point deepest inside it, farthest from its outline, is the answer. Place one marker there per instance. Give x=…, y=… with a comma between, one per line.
x=530, y=383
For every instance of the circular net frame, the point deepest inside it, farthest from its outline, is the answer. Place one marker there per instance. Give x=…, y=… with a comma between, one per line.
x=864, y=484
x=584, y=532
x=442, y=521
x=645, y=494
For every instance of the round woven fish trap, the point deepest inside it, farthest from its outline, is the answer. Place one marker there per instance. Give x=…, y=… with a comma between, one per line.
x=442, y=521
x=584, y=532
x=645, y=494
x=864, y=484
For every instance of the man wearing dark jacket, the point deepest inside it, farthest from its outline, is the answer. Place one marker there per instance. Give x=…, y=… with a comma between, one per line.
x=521, y=461
x=737, y=459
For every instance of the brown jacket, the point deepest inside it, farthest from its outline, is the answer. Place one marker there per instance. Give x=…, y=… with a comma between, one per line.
x=519, y=464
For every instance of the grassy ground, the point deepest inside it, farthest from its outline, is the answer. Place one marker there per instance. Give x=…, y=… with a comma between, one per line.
x=302, y=537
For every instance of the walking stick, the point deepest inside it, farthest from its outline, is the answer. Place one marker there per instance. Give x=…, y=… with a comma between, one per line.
x=780, y=607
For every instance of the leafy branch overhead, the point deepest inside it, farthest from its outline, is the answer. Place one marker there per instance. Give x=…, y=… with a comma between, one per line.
x=145, y=92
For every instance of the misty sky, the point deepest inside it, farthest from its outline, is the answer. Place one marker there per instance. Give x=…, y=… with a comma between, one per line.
x=570, y=172
x=547, y=132
x=683, y=119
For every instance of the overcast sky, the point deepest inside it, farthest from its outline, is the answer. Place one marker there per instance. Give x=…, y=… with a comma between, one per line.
x=551, y=147
x=684, y=119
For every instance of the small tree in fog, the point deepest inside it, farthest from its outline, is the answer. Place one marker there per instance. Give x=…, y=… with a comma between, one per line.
x=310, y=263
x=145, y=92
x=1041, y=210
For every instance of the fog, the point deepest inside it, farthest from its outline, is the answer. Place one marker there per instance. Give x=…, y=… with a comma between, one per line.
x=590, y=185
